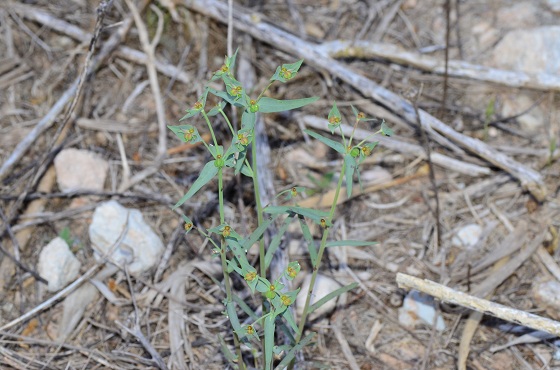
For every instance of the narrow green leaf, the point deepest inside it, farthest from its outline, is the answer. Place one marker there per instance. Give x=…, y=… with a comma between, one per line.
x=330, y=296
x=350, y=243
x=232, y=316
x=290, y=320
x=292, y=353
x=350, y=165
x=269, y=105
x=269, y=326
x=328, y=142
x=239, y=253
x=275, y=242
x=257, y=234
x=245, y=307
x=207, y=173
x=232, y=359
x=309, y=239
x=386, y=130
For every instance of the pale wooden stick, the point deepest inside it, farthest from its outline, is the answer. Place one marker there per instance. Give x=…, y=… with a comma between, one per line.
x=456, y=68
x=149, y=49
x=530, y=179
x=452, y=296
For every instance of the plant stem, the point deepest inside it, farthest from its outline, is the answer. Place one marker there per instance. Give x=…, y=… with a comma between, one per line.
x=260, y=218
x=210, y=127
x=320, y=255
x=223, y=251
x=228, y=123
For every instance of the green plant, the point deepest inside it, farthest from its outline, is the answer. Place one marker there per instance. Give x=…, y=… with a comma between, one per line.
x=232, y=247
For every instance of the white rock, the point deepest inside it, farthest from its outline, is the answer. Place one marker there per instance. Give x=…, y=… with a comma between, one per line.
x=419, y=308
x=535, y=50
x=554, y=5
x=58, y=265
x=467, y=236
x=518, y=15
x=323, y=286
x=376, y=175
x=80, y=170
x=531, y=121
x=140, y=248
x=547, y=296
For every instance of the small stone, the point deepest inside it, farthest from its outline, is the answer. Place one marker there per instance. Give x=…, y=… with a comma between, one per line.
x=419, y=308
x=547, y=296
x=80, y=170
x=58, y=265
x=140, y=248
x=323, y=286
x=531, y=121
x=467, y=236
x=535, y=50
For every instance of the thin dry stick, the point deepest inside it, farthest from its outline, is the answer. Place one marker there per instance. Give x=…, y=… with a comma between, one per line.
x=149, y=49
x=452, y=296
x=530, y=180
x=456, y=68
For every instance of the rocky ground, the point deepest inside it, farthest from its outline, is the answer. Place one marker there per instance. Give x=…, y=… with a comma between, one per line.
x=86, y=161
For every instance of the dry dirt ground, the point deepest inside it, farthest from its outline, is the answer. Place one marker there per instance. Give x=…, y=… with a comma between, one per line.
x=41, y=59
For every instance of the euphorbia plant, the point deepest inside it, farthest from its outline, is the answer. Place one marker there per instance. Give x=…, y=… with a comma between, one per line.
x=232, y=247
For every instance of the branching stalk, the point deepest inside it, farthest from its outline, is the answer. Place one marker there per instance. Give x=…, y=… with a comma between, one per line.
x=320, y=255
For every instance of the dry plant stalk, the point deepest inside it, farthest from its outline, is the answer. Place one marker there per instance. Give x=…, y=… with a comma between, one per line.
x=452, y=296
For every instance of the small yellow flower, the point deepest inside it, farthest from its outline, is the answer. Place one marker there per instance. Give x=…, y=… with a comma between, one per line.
x=243, y=139
x=323, y=223
x=334, y=120
x=361, y=115
x=250, y=276
x=292, y=272
x=189, y=134
x=188, y=226
x=226, y=231
x=366, y=151
x=294, y=191
x=285, y=73
x=236, y=90
x=224, y=69
x=197, y=105
x=286, y=301
x=250, y=330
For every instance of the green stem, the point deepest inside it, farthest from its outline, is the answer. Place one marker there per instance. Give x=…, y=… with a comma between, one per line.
x=320, y=255
x=260, y=218
x=353, y=131
x=210, y=128
x=223, y=257
x=228, y=123
x=262, y=93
